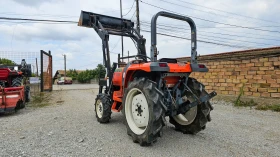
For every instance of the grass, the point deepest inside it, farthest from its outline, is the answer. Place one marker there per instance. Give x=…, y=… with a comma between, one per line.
x=250, y=103
x=274, y=107
x=242, y=103
x=239, y=103
x=40, y=99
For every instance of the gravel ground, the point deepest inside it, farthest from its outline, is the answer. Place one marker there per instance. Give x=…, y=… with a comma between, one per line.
x=68, y=127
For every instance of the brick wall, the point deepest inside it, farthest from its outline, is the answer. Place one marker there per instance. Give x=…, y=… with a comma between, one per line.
x=258, y=70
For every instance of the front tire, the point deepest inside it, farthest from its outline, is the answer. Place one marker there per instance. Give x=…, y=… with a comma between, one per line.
x=142, y=105
x=103, y=108
x=196, y=118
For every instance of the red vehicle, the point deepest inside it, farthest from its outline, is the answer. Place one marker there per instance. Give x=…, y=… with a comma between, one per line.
x=67, y=81
x=13, y=93
x=64, y=80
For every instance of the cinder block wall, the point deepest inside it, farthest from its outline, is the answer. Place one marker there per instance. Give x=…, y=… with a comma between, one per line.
x=258, y=70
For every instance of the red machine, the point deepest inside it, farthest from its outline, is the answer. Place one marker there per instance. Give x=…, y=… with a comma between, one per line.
x=148, y=89
x=13, y=91
x=12, y=99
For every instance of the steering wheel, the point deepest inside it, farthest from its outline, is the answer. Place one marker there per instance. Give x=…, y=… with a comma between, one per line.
x=144, y=57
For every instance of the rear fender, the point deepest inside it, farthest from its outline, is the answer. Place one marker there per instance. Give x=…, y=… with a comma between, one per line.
x=128, y=77
x=146, y=68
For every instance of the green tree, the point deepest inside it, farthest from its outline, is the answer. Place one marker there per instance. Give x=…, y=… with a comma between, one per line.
x=5, y=61
x=72, y=73
x=86, y=76
x=100, y=71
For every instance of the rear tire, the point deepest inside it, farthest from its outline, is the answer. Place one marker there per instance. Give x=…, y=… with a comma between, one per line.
x=2, y=84
x=202, y=115
x=20, y=105
x=103, y=108
x=16, y=82
x=143, y=111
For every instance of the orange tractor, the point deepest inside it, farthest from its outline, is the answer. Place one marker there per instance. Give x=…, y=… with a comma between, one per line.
x=13, y=90
x=148, y=89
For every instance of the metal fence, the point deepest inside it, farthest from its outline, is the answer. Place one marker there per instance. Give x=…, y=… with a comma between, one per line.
x=46, y=71
x=41, y=68
x=32, y=58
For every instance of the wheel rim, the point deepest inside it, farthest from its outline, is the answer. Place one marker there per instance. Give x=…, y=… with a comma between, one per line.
x=137, y=111
x=188, y=117
x=99, y=109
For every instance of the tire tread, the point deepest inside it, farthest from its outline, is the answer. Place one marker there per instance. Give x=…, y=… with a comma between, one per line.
x=106, y=102
x=154, y=98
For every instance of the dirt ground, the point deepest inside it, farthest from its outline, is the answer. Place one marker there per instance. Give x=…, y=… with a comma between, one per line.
x=67, y=126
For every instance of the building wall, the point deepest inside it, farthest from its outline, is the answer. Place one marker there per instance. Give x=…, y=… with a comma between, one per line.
x=258, y=70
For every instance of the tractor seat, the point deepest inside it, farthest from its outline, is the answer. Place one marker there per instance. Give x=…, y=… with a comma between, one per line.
x=168, y=60
x=122, y=64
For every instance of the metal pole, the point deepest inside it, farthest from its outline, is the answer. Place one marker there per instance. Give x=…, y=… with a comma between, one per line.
x=37, y=67
x=137, y=16
x=64, y=65
x=121, y=36
x=42, y=73
x=51, y=70
x=119, y=60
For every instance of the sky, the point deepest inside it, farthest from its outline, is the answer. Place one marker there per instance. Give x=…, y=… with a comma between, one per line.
x=222, y=26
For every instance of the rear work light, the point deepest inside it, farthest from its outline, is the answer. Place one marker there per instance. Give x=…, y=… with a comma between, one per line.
x=162, y=64
x=201, y=66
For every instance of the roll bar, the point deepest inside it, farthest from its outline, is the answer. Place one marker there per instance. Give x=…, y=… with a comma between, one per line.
x=154, y=52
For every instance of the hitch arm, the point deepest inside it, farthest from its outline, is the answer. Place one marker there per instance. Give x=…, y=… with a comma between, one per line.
x=183, y=108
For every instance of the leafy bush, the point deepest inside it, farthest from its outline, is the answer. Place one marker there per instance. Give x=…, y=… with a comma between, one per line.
x=87, y=75
x=72, y=73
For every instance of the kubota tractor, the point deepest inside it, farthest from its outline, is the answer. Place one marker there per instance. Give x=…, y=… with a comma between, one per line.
x=148, y=89
x=13, y=90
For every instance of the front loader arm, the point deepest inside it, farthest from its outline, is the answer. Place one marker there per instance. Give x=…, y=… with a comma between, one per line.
x=105, y=25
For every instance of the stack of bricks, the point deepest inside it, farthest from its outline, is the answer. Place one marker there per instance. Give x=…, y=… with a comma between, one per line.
x=259, y=75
